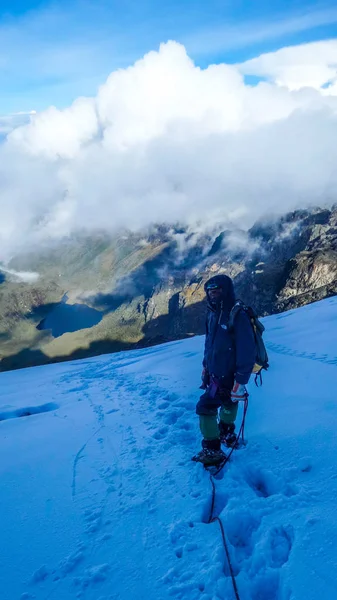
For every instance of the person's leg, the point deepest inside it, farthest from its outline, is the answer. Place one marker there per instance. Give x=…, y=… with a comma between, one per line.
x=207, y=410
x=228, y=414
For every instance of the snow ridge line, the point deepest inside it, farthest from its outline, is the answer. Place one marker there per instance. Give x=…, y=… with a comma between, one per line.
x=77, y=458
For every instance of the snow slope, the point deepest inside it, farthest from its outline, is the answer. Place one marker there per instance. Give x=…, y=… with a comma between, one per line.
x=99, y=499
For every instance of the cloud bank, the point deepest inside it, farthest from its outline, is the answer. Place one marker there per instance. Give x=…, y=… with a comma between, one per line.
x=166, y=141
x=26, y=276
x=11, y=121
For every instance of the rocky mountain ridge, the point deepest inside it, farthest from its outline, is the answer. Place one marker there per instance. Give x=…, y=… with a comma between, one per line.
x=148, y=287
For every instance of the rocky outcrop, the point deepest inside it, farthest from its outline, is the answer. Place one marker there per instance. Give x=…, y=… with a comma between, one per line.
x=311, y=274
x=150, y=288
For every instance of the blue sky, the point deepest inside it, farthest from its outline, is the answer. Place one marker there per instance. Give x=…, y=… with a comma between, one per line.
x=51, y=53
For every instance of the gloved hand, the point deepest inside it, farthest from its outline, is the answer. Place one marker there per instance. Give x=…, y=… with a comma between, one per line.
x=238, y=392
x=204, y=379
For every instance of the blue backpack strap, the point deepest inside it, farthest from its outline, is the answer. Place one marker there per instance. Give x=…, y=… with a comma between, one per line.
x=238, y=306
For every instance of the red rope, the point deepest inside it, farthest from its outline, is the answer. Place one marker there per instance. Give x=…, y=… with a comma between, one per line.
x=212, y=519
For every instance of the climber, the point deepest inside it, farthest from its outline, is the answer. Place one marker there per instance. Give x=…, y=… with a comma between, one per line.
x=228, y=362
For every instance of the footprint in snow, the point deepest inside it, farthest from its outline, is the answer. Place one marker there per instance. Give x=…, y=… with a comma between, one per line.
x=92, y=575
x=221, y=500
x=240, y=527
x=28, y=411
x=281, y=541
x=269, y=556
x=266, y=586
x=179, y=531
x=40, y=575
x=93, y=519
x=190, y=354
x=265, y=483
x=188, y=405
x=183, y=582
x=172, y=417
x=161, y=433
x=163, y=405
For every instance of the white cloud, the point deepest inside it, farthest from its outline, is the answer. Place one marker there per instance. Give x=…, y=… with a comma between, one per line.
x=26, y=276
x=167, y=141
x=11, y=121
x=55, y=132
x=309, y=65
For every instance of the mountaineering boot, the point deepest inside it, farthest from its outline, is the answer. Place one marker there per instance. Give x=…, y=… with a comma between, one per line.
x=211, y=453
x=227, y=435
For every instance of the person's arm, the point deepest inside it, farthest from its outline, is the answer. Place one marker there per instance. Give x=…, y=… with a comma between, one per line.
x=245, y=348
x=205, y=374
x=205, y=346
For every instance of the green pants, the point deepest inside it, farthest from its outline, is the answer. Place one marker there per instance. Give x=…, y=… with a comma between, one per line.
x=208, y=411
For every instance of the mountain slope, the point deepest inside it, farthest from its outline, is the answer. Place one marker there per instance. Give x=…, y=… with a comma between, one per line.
x=134, y=290
x=100, y=500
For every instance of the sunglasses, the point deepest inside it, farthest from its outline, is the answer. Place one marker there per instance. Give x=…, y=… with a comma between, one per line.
x=213, y=286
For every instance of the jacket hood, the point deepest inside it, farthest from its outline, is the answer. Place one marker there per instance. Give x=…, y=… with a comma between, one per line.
x=227, y=288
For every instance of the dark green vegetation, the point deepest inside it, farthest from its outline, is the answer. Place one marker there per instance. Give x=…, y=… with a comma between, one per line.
x=148, y=288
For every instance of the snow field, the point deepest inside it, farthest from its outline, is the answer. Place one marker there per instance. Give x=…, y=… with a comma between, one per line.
x=100, y=500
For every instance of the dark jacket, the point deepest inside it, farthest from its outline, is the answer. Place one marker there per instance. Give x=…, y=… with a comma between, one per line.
x=228, y=355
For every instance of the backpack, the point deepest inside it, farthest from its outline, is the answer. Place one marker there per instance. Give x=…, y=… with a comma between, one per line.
x=261, y=360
